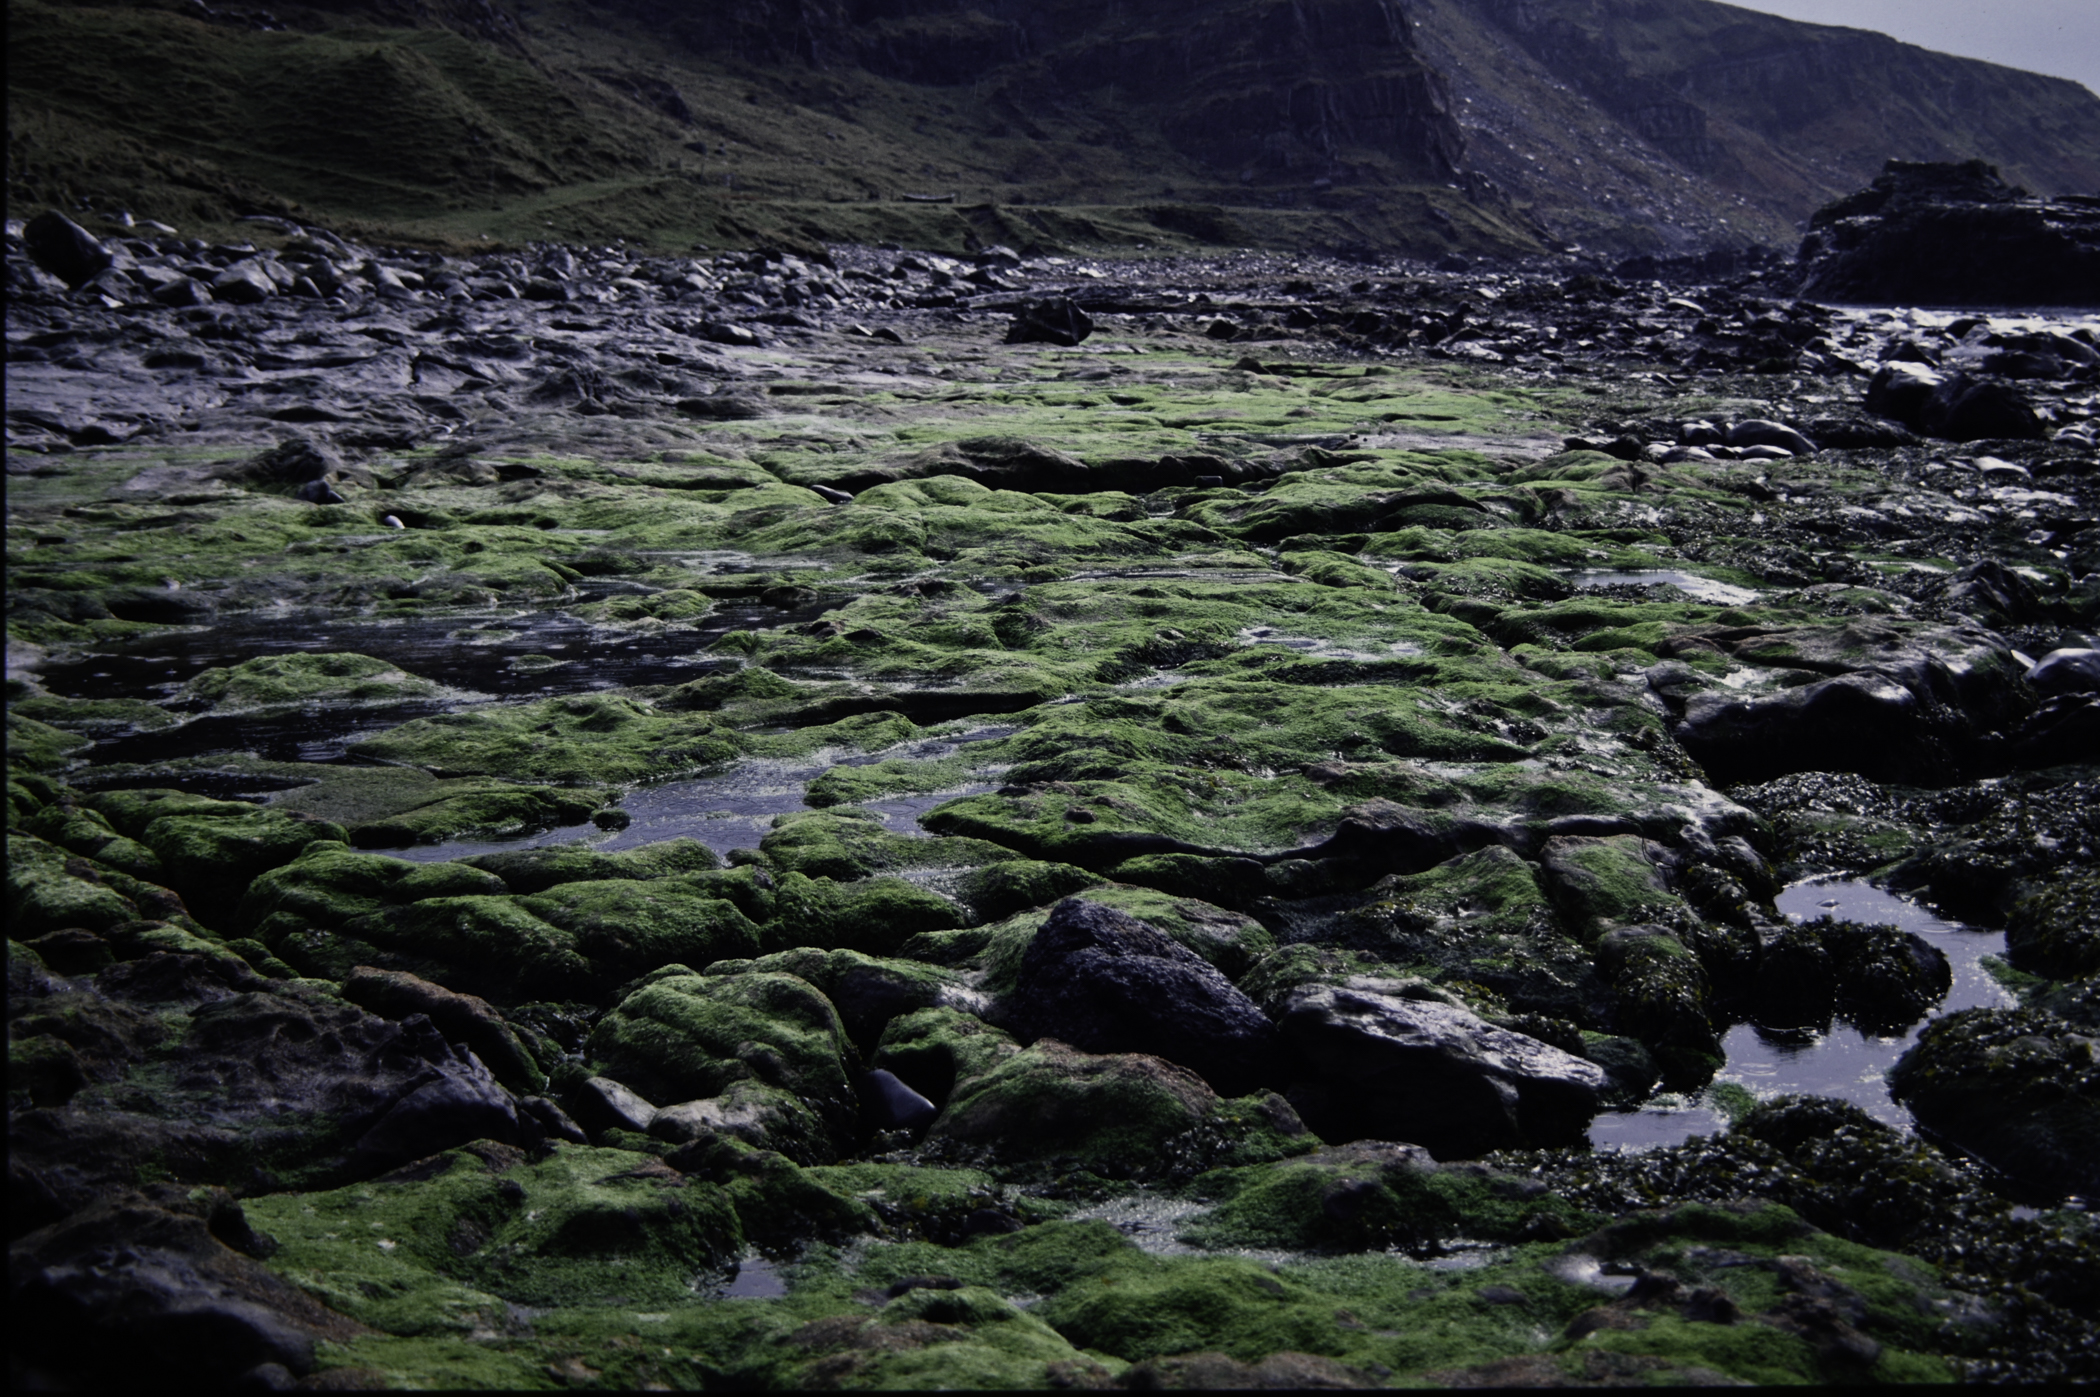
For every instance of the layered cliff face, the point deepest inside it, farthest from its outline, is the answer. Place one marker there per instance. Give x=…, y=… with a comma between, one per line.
x=1688, y=123
x=1261, y=90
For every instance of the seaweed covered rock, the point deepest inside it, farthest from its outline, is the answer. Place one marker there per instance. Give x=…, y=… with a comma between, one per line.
x=1663, y=1000
x=2056, y=931
x=1110, y=1112
x=1378, y=1066
x=2017, y=1088
x=685, y=1037
x=1105, y=982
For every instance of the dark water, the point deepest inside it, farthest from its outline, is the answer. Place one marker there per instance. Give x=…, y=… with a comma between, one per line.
x=1842, y=1062
x=506, y=655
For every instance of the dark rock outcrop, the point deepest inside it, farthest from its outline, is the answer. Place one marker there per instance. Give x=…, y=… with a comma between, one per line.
x=1053, y=321
x=1106, y=982
x=1383, y=1067
x=1953, y=234
x=2016, y=1088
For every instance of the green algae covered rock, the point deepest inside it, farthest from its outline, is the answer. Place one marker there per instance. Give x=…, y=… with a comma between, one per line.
x=329, y=884
x=431, y=1251
x=573, y=938
x=934, y=1050
x=867, y=991
x=84, y=831
x=45, y=894
x=537, y=870
x=1111, y=1113
x=876, y=916
x=212, y=858
x=687, y=1037
x=2018, y=1088
x=277, y=681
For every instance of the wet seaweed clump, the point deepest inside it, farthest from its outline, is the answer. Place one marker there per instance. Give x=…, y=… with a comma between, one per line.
x=2030, y=1280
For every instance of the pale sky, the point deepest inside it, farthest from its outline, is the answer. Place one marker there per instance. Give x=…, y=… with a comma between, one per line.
x=2059, y=37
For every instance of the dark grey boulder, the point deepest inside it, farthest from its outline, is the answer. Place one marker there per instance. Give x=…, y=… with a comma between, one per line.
x=1379, y=1066
x=1887, y=978
x=1796, y=981
x=1757, y=432
x=1900, y=391
x=243, y=284
x=1971, y=409
x=1105, y=982
x=1917, y=707
x=1053, y=321
x=601, y=1104
x=65, y=249
x=2066, y=672
x=886, y=1103
x=155, y=1290
x=462, y=1018
x=460, y=1103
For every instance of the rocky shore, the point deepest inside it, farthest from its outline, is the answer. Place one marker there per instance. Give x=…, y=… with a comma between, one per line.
x=579, y=819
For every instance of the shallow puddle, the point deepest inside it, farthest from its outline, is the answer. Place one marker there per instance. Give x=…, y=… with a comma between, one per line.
x=755, y=1278
x=1691, y=584
x=1840, y=1062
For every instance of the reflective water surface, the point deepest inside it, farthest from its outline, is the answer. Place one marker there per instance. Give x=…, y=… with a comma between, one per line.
x=1842, y=1062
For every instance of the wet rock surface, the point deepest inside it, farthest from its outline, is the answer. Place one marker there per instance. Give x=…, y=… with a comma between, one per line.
x=751, y=802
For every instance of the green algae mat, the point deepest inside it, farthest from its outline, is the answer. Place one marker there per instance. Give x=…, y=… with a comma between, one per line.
x=689, y=775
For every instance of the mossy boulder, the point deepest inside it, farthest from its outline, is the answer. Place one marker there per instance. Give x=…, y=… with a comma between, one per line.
x=999, y=890
x=2056, y=931
x=1111, y=1113
x=277, y=681
x=932, y=1050
x=573, y=938
x=873, y=915
x=686, y=1037
x=867, y=991
x=48, y=889
x=432, y=1251
x=1601, y=882
x=86, y=832
x=2018, y=1088
x=212, y=858
x=329, y=884
x=537, y=870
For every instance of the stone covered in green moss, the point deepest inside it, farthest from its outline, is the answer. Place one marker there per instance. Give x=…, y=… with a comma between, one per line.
x=2018, y=1088
x=1111, y=1113
x=685, y=1037
x=277, y=681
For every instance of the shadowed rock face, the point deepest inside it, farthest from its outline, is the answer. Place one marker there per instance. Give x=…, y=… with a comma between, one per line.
x=1268, y=86
x=1105, y=982
x=1407, y=1069
x=1954, y=234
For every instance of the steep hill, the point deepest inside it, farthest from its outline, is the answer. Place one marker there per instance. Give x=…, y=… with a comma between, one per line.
x=1496, y=127
x=1703, y=124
